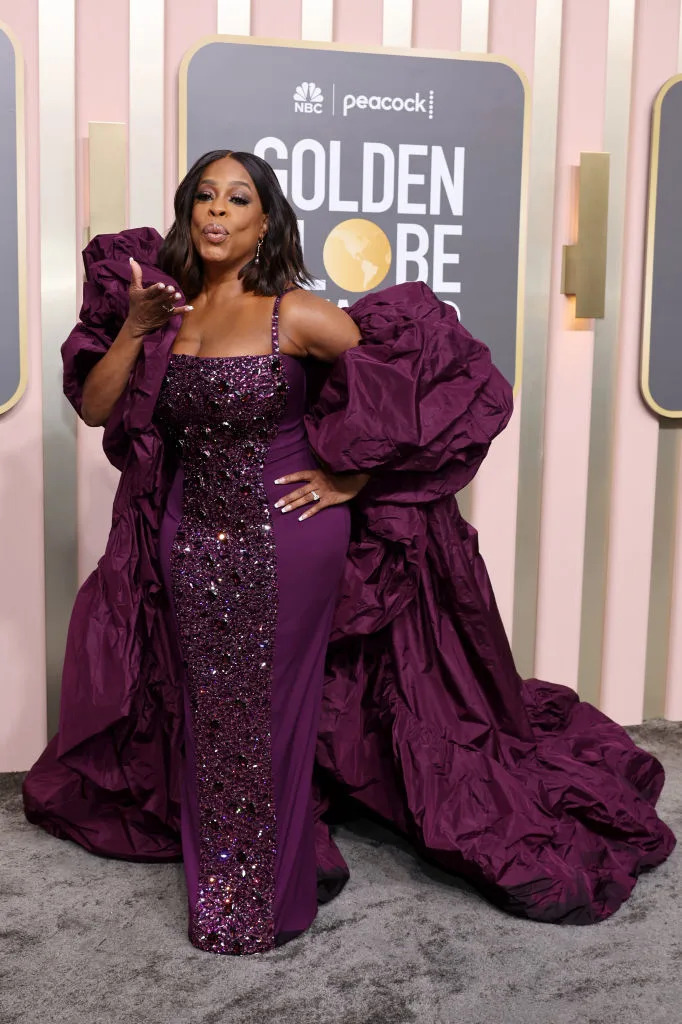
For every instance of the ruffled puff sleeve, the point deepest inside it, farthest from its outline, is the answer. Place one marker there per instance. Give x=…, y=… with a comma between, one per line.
x=103, y=312
x=416, y=404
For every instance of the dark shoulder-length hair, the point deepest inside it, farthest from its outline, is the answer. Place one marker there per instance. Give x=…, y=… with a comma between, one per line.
x=280, y=263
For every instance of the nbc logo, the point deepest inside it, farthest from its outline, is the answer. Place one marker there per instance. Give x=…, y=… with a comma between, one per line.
x=308, y=98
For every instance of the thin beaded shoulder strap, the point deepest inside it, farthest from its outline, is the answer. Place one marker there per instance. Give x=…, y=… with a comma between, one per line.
x=275, y=320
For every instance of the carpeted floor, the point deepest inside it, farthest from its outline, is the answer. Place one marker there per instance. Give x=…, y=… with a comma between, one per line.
x=91, y=941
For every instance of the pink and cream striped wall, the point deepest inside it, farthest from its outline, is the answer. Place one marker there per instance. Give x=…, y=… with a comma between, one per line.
x=578, y=504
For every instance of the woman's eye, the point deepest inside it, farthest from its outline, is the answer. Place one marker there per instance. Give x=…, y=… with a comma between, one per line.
x=207, y=197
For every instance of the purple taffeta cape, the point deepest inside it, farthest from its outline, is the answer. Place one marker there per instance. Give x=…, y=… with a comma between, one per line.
x=536, y=797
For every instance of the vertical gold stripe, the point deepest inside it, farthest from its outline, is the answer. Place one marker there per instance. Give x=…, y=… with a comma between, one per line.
x=473, y=30
x=662, y=563
x=58, y=269
x=616, y=131
x=234, y=17
x=548, y=19
x=107, y=156
x=474, y=21
x=147, y=115
x=666, y=511
x=317, y=20
x=474, y=39
x=397, y=24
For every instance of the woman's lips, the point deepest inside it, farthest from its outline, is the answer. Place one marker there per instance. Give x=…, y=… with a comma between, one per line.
x=214, y=233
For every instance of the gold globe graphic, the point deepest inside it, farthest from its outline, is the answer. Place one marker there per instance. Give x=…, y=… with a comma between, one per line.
x=357, y=255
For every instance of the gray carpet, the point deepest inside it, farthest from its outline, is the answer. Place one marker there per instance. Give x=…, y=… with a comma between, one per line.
x=91, y=941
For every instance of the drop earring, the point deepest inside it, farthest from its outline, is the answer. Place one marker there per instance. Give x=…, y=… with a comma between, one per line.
x=258, y=248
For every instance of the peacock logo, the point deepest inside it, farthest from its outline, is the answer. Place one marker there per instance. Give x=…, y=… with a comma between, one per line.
x=308, y=98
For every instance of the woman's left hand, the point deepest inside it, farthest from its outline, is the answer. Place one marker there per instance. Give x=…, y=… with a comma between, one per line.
x=319, y=488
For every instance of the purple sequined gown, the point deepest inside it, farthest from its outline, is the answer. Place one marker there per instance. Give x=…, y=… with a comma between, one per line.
x=254, y=593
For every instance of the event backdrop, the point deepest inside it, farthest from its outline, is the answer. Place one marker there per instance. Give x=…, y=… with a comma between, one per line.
x=399, y=167
x=578, y=502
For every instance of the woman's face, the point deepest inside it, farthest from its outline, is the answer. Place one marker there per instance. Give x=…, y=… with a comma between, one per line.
x=227, y=216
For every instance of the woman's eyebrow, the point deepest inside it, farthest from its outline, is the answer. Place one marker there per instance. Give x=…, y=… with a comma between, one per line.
x=211, y=181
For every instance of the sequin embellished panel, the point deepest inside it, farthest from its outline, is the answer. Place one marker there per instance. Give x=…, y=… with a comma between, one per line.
x=223, y=414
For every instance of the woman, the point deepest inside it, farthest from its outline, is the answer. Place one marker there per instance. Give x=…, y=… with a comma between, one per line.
x=254, y=590
x=193, y=693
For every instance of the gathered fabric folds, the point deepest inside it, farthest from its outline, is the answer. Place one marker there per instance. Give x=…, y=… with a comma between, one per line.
x=110, y=778
x=536, y=797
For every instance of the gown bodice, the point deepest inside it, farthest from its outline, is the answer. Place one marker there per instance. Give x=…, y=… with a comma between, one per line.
x=223, y=415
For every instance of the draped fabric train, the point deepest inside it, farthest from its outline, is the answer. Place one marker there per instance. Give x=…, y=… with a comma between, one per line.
x=535, y=796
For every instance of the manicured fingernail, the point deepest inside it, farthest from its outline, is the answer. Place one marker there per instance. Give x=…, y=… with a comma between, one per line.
x=304, y=516
x=280, y=481
x=287, y=508
x=278, y=504
x=189, y=307
x=130, y=259
x=161, y=285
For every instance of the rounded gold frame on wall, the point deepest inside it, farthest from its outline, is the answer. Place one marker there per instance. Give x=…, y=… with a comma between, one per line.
x=649, y=253
x=21, y=218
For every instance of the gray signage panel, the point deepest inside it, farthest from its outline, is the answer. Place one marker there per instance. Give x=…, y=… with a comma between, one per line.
x=12, y=268
x=662, y=333
x=400, y=167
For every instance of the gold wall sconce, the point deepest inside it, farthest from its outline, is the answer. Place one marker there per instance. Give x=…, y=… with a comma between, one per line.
x=107, y=177
x=583, y=271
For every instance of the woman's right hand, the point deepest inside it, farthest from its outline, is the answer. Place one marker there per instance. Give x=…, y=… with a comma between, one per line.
x=151, y=308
